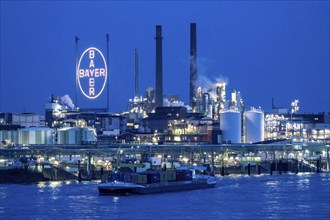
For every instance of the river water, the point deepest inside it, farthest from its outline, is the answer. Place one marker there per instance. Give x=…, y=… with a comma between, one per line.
x=302, y=196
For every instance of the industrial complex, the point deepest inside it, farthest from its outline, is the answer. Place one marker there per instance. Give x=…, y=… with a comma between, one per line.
x=213, y=117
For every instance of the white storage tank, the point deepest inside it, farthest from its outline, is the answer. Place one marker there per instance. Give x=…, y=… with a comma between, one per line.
x=45, y=136
x=75, y=135
x=230, y=125
x=61, y=133
x=26, y=136
x=254, y=126
x=36, y=135
x=68, y=135
x=9, y=135
x=88, y=134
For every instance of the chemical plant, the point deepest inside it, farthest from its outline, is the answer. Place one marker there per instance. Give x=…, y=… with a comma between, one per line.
x=209, y=119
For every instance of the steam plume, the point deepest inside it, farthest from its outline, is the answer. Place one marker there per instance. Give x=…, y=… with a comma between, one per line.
x=66, y=100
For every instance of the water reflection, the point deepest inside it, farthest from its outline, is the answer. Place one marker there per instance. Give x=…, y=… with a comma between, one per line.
x=115, y=199
x=3, y=196
x=52, y=184
x=52, y=187
x=41, y=184
x=273, y=184
x=267, y=197
x=303, y=184
x=55, y=184
x=41, y=187
x=55, y=188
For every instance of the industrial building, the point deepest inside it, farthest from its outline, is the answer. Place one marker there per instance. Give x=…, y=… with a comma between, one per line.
x=298, y=127
x=211, y=117
x=28, y=136
x=22, y=119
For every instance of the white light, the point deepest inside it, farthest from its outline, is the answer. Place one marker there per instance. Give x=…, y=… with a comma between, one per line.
x=92, y=79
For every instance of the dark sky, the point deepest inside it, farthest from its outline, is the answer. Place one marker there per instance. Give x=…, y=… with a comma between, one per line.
x=265, y=49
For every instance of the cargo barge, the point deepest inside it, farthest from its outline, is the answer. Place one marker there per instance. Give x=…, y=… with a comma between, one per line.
x=156, y=182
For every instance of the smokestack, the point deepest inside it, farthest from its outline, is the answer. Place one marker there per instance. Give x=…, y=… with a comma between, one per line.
x=136, y=74
x=193, y=66
x=159, y=68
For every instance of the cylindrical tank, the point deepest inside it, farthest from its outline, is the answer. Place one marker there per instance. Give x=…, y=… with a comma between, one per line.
x=230, y=125
x=75, y=135
x=72, y=135
x=61, y=136
x=66, y=135
x=38, y=135
x=9, y=135
x=88, y=134
x=45, y=136
x=254, y=126
x=27, y=136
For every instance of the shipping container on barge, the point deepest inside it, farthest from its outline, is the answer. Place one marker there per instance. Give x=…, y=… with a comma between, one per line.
x=157, y=182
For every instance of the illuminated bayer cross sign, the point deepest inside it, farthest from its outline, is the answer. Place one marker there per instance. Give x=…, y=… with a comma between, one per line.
x=92, y=73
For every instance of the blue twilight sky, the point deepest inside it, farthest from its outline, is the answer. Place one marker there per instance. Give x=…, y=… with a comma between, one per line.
x=264, y=48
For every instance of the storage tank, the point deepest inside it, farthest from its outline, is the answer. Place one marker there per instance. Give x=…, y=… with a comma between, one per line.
x=38, y=135
x=9, y=135
x=45, y=136
x=60, y=136
x=230, y=125
x=254, y=126
x=26, y=136
x=75, y=135
x=88, y=134
x=68, y=135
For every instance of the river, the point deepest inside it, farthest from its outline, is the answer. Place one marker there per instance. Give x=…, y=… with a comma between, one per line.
x=287, y=196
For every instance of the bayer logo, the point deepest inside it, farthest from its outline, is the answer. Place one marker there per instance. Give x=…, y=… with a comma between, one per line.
x=92, y=73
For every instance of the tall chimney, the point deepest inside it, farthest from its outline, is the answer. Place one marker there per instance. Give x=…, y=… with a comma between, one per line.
x=136, y=74
x=159, y=68
x=193, y=66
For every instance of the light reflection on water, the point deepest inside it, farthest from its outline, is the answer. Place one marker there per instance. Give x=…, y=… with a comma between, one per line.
x=273, y=184
x=3, y=197
x=303, y=184
x=237, y=197
x=115, y=199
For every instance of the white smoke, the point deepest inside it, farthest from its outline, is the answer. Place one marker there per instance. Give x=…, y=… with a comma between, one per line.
x=168, y=103
x=208, y=85
x=204, y=82
x=66, y=100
